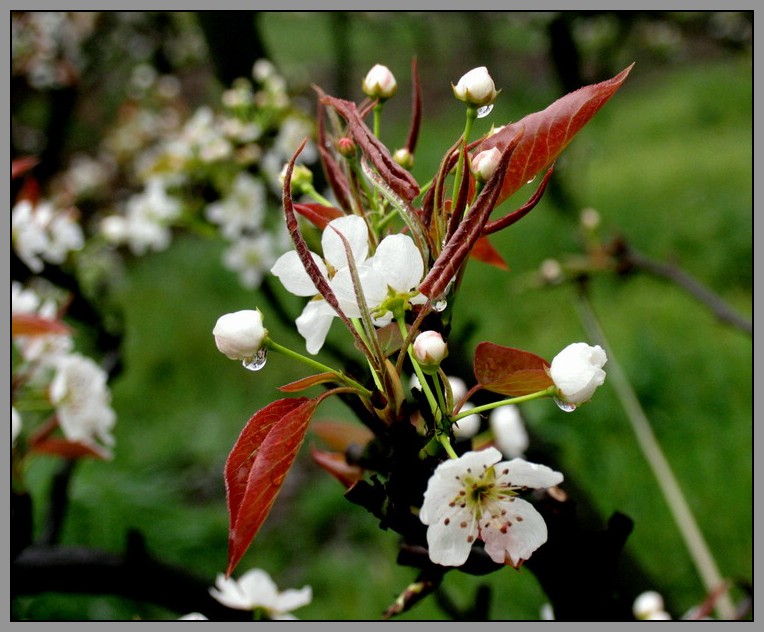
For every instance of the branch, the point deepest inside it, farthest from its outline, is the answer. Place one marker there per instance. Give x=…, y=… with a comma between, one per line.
x=134, y=575
x=630, y=258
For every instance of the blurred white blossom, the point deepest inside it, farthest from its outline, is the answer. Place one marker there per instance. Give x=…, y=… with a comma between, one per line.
x=255, y=590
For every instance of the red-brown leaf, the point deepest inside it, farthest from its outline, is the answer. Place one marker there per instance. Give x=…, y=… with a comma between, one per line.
x=337, y=466
x=509, y=371
x=548, y=132
x=33, y=325
x=307, y=382
x=318, y=214
x=484, y=251
x=339, y=435
x=257, y=466
x=67, y=449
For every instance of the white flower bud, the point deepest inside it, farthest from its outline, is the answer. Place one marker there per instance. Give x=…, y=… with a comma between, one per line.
x=647, y=604
x=379, y=83
x=404, y=158
x=484, y=164
x=468, y=426
x=240, y=335
x=577, y=372
x=476, y=87
x=430, y=350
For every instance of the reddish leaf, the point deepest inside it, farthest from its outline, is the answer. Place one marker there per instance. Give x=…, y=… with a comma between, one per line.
x=337, y=466
x=509, y=371
x=257, y=466
x=33, y=325
x=548, y=132
x=340, y=436
x=307, y=382
x=318, y=214
x=23, y=165
x=484, y=251
x=67, y=449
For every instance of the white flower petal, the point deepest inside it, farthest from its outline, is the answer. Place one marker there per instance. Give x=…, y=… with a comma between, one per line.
x=290, y=271
x=400, y=261
x=520, y=473
x=313, y=324
x=515, y=535
x=292, y=598
x=353, y=228
x=450, y=540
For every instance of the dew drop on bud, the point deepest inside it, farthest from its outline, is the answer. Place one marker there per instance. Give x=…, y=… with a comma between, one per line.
x=484, y=111
x=564, y=406
x=257, y=362
x=439, y=304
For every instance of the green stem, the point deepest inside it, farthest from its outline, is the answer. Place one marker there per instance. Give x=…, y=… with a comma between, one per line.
x=311, y=191
x=275, y=346
x=648, y=443
x=547, y=392
x=377, y=118
x=471, y=116
x=418, y=370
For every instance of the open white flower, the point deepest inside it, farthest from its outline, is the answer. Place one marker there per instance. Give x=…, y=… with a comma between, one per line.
x=256, y=590
x=316, y=318
x=577, y=372
x=476, y=497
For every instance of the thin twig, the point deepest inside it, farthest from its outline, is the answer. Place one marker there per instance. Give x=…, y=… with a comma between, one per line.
x=648, y=443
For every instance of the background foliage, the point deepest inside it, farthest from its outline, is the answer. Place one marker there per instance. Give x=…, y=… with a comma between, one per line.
x=667, y=164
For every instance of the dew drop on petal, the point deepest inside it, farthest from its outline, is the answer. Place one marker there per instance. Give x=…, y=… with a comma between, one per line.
x=484, y=111
x=257, y=362
x=564, y=406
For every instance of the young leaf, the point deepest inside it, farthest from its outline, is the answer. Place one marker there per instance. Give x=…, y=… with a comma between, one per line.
x=485, y=251
x=509, y=371
x=339, y=435
x=337, y=466
x=257, y=466
x=307, y=382
x=318, y=214
x=548, y=132
x=34, y=325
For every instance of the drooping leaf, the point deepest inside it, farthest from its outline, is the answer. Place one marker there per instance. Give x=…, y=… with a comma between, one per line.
x=339, y=435
x=34, y=325
x=510, y=371
x=307, y=382
x=257, y=466
x=68, y=449
x=318, y=214
x=485, y=251
x=548, y=132
x=23, y=165
x=337, y=466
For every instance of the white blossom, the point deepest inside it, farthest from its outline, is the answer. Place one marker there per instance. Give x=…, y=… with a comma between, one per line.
x=240, y=335
x=484, y=164
x=509, y=433
x=82, y=400
x=468, y=426
x=251, y=258
x=648, y=606
x=242, y=210
x=430, y=349
x=256, y=590
x=43, y=233
x=316, y=318
x=16, y=425
x=475, y=497
x=577, y=372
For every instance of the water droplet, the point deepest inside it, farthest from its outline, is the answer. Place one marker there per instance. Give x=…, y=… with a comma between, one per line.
x=564, y=406
x=258, y=361
x=439, y=304
x=531, y=180
x=484, y=111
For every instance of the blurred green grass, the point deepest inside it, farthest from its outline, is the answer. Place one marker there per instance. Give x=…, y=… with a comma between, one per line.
x=667, y=163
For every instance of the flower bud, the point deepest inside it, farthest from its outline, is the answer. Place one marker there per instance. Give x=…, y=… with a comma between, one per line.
x=346, y=146
x=484, y=164
x=240, y=335
x=404, y=158
x=301, y=177
x=577, y=372
x=647, y=604
x=429, y=350
x=476, y=87
x=379, y=83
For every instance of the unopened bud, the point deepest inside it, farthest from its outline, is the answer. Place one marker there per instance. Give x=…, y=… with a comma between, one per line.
x=476, y=87
x=404, y=158
x=346, y=146
x=301, y=177
x=379, y=83
x=429, y=350
x=590, y=219
x=240, y=335
x=484, y=164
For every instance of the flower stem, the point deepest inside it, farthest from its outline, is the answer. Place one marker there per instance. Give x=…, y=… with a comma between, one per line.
x=275, y=346
x=419, y=373
x=651, y=449
x=547, y=392
x=311, y=191
x=471, y=116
